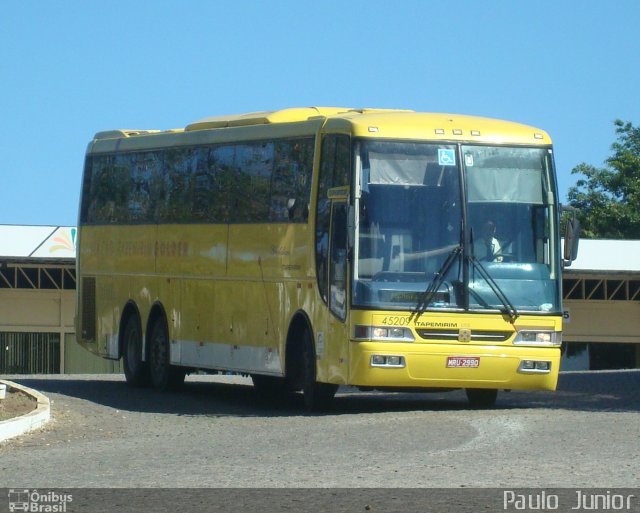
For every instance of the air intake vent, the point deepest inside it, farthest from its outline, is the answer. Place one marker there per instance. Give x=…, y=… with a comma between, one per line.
x=476, y=335
x=88, y=308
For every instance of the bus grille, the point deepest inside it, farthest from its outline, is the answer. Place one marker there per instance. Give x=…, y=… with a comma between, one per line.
x=88, y=308
x=476, y=336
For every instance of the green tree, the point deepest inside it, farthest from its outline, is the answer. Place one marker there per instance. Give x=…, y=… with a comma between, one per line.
x=608, y=198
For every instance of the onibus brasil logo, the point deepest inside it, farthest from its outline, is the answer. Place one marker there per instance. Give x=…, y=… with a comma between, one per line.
x=38, y=502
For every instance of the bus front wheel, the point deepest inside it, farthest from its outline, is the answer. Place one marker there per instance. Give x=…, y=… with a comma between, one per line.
x=135, y=370
x=164, y=376
x=317, y=396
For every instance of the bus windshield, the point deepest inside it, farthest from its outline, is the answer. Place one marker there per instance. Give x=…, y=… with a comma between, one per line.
x=413, y=230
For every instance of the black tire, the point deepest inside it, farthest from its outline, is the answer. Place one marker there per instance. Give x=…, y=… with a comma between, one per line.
x=317, y=396
x=136, y=371
x=164, y=376
x=482, y=398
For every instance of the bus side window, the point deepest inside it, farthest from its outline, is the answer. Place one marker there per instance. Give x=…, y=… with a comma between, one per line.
x=338, y=261
x=251, y=181
x=291, y=180
x=335, y=165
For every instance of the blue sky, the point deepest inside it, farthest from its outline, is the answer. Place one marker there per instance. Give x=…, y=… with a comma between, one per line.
x=71, y=68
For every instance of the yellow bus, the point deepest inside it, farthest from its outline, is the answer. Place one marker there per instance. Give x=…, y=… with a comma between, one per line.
x=316, y=247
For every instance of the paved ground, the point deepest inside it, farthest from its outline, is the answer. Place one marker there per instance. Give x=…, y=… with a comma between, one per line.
x=219, y=434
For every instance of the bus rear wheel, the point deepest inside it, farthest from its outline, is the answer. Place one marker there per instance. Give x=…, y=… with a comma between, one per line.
x=136, y=371
x=481, y=398
x=317, y=396
x=164, y=376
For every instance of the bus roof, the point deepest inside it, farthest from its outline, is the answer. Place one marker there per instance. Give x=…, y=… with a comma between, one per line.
x=279, y=116
x=379, y=123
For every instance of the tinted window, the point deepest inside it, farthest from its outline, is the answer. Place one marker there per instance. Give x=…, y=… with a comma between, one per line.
x=335, y=168
x=221, y=164
x=181, y=165
x=145, y=186
x=244, y=182
x=291, y=181
x=251, y=179
x=108, y=190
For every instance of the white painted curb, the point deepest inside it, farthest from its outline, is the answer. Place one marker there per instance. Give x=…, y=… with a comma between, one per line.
x=32, y=420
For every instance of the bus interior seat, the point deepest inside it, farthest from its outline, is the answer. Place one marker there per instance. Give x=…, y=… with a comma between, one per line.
x=393, y=211
x=371, y=253
x=399, y=247
x=369, y=267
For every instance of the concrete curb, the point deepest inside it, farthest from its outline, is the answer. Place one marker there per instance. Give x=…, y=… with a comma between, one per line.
x=32, y=420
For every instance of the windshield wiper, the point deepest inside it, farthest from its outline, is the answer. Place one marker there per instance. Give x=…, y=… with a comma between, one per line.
x=509, y=307
x=427, y=296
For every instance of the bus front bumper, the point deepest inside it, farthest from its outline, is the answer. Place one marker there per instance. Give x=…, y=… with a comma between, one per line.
x=375, y=364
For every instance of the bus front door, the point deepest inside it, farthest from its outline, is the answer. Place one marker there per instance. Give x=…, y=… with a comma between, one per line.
x=336, y=343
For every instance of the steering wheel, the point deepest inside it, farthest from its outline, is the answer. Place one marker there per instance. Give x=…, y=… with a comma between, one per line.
x=500, y=257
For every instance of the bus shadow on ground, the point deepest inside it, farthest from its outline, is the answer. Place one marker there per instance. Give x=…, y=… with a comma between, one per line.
x=589, y=391
x=205, y=397
x=602, y=391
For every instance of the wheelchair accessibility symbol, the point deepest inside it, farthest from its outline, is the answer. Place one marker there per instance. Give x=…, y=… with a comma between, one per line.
x=446, y=157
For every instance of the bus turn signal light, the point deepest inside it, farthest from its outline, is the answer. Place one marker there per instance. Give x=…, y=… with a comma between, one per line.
x=382, y=360
x=534, y=367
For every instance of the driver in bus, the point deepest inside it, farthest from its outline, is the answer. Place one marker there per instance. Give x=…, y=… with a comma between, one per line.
x=487, y=247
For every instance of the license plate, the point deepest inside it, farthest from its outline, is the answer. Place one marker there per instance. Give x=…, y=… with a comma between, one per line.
x=464, y=362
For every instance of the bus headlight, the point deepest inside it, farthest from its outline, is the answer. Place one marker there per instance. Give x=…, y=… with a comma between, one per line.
x=383, y=333
x=538, y=338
